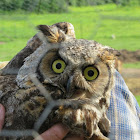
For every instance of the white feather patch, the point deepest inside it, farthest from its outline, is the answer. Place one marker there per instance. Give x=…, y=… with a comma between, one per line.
x=31, y=63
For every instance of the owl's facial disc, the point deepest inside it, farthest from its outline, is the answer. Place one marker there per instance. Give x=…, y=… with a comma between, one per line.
x=78, y=68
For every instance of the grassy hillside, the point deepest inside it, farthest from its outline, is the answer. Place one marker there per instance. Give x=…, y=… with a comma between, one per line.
x=100, y=23
x=138, y=99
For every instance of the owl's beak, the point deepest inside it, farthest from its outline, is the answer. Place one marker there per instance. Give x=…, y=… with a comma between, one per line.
x=70, y=87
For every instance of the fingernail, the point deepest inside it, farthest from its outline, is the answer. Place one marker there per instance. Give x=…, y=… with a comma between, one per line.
x=1, y=107
x=64, y=126
x=2, y=110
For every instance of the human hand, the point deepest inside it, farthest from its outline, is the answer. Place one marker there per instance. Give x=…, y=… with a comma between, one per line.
x=57, y=132
x=2, y=115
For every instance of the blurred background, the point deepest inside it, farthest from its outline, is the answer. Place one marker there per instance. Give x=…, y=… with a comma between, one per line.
x=115, y=23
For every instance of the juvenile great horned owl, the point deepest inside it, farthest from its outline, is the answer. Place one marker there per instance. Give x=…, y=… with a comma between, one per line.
x=76, y=72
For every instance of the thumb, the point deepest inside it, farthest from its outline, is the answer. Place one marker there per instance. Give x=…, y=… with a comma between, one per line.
x=56, y=132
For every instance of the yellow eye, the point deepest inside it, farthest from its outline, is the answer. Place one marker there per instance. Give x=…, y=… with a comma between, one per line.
x=58, y=66
x=91, y=73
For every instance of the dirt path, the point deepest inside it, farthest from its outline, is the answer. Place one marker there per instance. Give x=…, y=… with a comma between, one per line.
x=132, y=79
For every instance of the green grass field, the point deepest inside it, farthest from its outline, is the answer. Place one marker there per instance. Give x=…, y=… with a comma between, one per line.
x=138, y=99
x=98, y=23
x=132, y=65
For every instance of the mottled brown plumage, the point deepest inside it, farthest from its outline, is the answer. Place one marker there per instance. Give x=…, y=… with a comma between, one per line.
x=79, y=74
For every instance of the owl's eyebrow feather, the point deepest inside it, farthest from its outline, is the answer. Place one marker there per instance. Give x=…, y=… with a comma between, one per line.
x=88, y=63
x=64, y=58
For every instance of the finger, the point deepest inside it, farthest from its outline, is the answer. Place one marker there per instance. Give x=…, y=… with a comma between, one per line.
x=74, y=138
x=56, y=132
x=2, y=115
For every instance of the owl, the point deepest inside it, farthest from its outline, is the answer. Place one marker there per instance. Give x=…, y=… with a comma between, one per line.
x=58, y=78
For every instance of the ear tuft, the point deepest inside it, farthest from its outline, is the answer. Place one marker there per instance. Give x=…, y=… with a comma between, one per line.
x=108, y=54
x=67, y=28
x=45, y=29
x=51, y=33
x=58, y=32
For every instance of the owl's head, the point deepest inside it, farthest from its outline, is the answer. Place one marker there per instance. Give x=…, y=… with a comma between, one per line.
x=82, y=68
